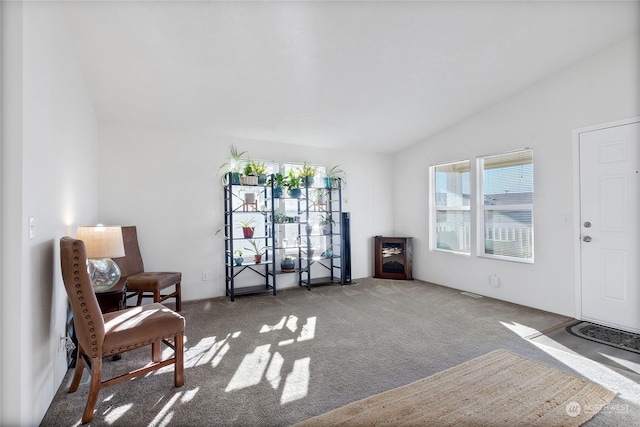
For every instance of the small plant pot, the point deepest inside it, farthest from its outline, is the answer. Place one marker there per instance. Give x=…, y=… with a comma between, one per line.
x=239, y=260
x=328, y=182
x=295, y=193
x=288, y=265
x=307, y=181
x=235, y=178
x=262, y=179
x=257, y=259
x=278, y=193
x=328, y=254
x=326, y=230
x=247, y=232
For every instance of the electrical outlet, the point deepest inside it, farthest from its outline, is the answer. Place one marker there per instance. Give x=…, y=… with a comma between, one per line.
x=66, y=344
x=494, y=280
x=205, y=276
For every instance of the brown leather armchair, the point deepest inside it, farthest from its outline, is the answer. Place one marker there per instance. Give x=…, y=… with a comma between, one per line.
x=141, y=283
x=117, y=332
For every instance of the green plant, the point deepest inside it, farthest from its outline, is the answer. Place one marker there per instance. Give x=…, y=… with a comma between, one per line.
x=258, y=167
x=235, y=161
x=293, y=181
x=326, y=220
x=279, y=217
x=250, y=223
x=237, y=253
x=306, y=170
x=248, y=169
x=279, y=180
x=335, y=172
x=256, y=247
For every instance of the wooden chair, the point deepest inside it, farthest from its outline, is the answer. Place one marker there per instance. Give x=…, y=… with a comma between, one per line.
x=141, y=283
x=101, y=335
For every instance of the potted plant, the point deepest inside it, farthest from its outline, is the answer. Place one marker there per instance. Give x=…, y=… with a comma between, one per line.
x=247, y=227
x=233, y=166
x=258, y=249
x=250, y=177
x=288, y=264
x=307, y=248
x=238, y=257
x=293, y=184
x=279, y=182
x=329, y=252
x=306, y=174
x=260, y=170
x=325, y=223
x=332, y=175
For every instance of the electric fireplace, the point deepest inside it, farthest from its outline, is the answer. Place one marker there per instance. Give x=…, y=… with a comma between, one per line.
x=393, y=258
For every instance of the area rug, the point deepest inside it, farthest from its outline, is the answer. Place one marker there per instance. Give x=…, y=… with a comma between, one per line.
x=606, y=335
x=499, y=388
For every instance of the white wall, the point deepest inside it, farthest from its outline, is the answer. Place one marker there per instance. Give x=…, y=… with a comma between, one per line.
x=50, y=174
x=600, y=89
x=167, y=184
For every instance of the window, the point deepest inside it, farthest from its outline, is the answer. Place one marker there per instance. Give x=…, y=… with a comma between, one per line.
x=450, y=216
x=506, y=205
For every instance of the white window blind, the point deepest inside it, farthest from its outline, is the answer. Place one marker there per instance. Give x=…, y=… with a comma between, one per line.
x=506, y=217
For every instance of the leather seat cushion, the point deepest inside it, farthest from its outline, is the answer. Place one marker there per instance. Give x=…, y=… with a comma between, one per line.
x=152, y=281
x=139, y=326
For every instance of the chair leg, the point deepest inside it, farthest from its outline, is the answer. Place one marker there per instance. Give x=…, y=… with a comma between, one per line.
x=77, y=374
x=94, y=390
x=178, y=297
x=178, y=372
x=140, y=295
x=156, y=296
x=156, y=353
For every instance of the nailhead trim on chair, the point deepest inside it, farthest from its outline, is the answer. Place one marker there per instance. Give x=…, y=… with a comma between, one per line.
x=136, y=345
x=76, y=279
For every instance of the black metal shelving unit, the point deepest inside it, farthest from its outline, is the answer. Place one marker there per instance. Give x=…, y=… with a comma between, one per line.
x=320, y=269
x=236, y=208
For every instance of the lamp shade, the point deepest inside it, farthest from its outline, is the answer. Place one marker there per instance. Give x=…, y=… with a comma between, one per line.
x=101, y=241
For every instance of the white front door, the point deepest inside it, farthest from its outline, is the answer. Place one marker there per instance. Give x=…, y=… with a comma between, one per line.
x=609, y=216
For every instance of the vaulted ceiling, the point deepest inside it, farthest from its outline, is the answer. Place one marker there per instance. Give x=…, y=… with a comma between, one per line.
x=373, y=76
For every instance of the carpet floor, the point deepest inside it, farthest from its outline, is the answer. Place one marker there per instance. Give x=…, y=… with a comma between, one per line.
x=519, y=391
x=277, y=360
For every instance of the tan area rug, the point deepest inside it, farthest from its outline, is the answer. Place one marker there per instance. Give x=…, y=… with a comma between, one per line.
x=499, y=388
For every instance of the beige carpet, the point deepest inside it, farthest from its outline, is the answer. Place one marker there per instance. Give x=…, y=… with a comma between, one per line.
x=499, y=388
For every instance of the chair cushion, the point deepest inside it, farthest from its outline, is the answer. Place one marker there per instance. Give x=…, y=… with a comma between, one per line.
x=152, y=281
x=139, y=326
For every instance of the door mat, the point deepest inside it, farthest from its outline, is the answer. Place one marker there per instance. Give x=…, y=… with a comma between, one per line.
x=606, y=335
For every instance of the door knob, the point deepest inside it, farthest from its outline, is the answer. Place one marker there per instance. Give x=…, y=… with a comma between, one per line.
x=586, y=239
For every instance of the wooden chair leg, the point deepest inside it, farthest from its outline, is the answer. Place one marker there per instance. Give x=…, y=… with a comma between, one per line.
x=156, y=353
x=178, y=372
x=140, y=295
x=178, y=297
x=156, y=296
x=77, y=374
x=94, y=390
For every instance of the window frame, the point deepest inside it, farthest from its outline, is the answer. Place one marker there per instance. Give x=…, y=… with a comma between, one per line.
x=435, y=208
x=483, y=209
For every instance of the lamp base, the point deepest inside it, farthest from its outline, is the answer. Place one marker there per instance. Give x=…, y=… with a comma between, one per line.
x=104, y=274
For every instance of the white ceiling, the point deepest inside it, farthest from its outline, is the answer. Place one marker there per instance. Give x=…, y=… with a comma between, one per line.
x=372, y=76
